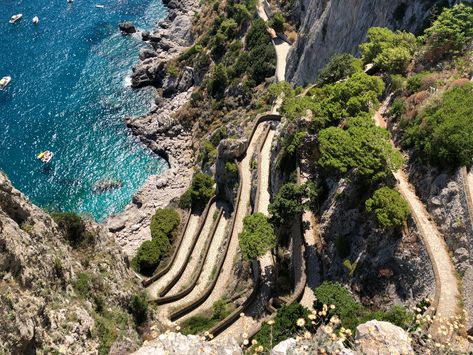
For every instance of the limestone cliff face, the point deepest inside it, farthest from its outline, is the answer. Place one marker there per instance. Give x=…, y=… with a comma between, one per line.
x=53, y=296
x=328, y=27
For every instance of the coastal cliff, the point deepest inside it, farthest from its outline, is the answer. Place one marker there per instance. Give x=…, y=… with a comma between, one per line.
x=339, y=26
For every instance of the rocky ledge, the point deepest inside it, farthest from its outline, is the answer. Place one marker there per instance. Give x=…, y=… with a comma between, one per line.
x=159, y=130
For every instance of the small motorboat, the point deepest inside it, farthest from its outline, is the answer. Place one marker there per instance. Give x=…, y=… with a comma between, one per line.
x=70, y=1
x=45, y=156
x=35, y=20
x=16, y=18
x=4, y=82
x=98, y=6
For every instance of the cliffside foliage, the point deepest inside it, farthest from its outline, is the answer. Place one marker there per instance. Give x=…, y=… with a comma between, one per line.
x=72, y=225
x=387, y=50
x=388, y=206
x=351, y=312
x=361, y=146
x=450, y=34
x=257, y=237
x=202, y=322
x=442, y=132
x=163, y=227
x=200, y=191
x=287, y=204
x=340, y=66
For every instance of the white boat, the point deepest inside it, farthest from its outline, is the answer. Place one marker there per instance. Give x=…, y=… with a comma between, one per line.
x=16, y=18
x=45, y=156
x=70, y=1
x=4, y=82
x=98, y=6
x=35, y=20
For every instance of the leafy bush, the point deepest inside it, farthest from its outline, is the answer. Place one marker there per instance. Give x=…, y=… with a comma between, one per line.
x=164, y=223
x=351, y=312
x=147, y=257
x=442, y=132
x=287, y=204
x=257, y=236
x=261, y=58
x=72, y=225
x=82, y=284
x=389, y=207
x=389, y=51
x=414, y=83
x=185, y=201
x=209, y=152
x=451, y=33
x=231, y=167
x=201, y=189
x=219, y=82
x=340, y=66
x=139, y=307
x=363, y=147
x=277, y=22
x=284, y=327
x=200, y=323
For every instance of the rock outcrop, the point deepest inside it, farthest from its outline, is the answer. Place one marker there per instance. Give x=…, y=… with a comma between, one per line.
x=47, y=288
x=376, y=337
x=338, y=26
x=127, y=27
x=179, y=344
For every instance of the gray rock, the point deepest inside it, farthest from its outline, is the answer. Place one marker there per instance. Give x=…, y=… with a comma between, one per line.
x=162, y=182
x=285, y=347
x=127, y=27
x=146, y=53
x=376, y=337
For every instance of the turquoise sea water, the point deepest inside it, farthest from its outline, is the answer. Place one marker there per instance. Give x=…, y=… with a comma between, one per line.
x=69, y=95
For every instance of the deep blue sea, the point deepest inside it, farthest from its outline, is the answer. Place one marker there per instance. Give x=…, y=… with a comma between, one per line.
x=69, y=95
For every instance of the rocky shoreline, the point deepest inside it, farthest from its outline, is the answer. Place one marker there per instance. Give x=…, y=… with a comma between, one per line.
x=158, y=129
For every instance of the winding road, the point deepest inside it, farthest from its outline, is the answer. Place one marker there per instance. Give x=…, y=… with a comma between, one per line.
x=447, y=293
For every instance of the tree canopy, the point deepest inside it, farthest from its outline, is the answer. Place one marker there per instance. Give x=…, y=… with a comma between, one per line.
x=340, y=66
x=389, y=51
x=388, y=206
x=257, y=237
x=442, y=132
x=288, y=203
x=362, y=146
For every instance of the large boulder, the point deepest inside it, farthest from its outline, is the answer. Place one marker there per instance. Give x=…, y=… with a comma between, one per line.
x=376, y=337
x=178, y=344
x=230, y=149
x=127, y=27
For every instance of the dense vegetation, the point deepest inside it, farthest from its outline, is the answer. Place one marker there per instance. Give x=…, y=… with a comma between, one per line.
x=387, y=50
x=203, y=322
x=340, y=66
x=163, y=227
x=390, y=209
x=72, y=226
x=257, y=236
x=442, y=132
x=351, y=312
x=200, y=191
x=288, y=204
x=362, y=147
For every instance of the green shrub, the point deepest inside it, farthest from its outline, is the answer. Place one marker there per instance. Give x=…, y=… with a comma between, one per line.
x=257, y=236
x=277, y=22
x=284, y=327
x=72, y=225
x=261, y=59
x=209, y=152
x=441, y=133
x=398, y=109
x=397, y=315
x=219, y=310
x=164, y=222
x=200, y=323
x=219, y=82
x=389, y=51
x=287, y=204
x=340, y=66
x=82, y=284
x=363, y=147
x=185, y=201
x=389, y=207
x=139, y=307
x=414, y=83
x=231, y=167
x=202, y=188
x=346, y=307
x=450, y=34
x=147, y=257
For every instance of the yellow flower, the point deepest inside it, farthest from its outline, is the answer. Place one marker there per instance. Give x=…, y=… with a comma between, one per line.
x=178, y=328
x=312, y=316
x=300, y=322
x=271, y=321
x=244, y=335
x=206, y=334
x=332, y=306
x=242, y=314
x=307, y=335
x=333, y=337
x=254, y=342
x=245, y=342
x=259, y=349
x=334, y=320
